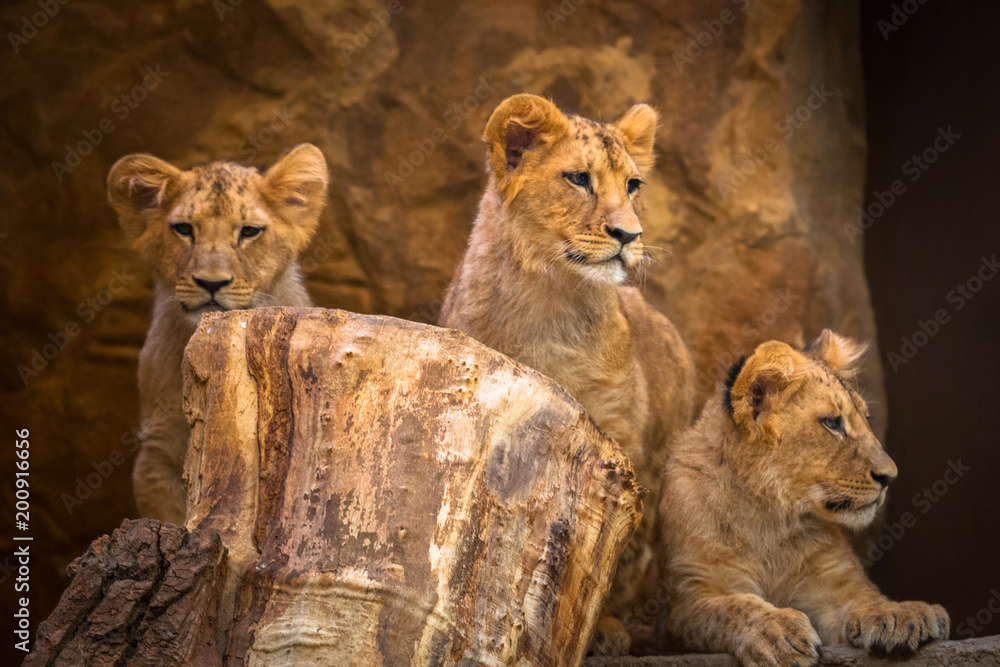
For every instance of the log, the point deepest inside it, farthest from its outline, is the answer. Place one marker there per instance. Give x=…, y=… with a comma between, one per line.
x=385, y=492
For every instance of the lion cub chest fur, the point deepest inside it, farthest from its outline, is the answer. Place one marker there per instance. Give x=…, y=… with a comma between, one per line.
x=556, y=234
x=218, y=237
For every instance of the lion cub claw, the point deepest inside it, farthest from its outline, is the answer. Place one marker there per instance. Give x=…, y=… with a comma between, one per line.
x=785, y=637
x=896, y=626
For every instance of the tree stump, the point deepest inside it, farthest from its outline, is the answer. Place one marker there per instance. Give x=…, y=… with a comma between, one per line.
x=387, y=493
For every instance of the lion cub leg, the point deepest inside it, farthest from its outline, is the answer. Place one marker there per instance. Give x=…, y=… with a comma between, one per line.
x=158, y=482
x=755, y=631
x=847, y=607
x=890, y=626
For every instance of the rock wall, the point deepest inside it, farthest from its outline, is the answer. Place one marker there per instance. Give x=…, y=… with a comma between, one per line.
x=760, y=152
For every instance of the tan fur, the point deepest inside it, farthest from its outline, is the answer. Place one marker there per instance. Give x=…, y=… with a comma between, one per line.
x=756, y=499
x=218, y=200
x=540, y=282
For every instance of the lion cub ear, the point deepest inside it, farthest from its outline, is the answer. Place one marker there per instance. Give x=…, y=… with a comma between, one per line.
x=520, y=124
x=768, y=378
x=295, y=186
x=840, y=353
x=139, y=184
x=638, y=127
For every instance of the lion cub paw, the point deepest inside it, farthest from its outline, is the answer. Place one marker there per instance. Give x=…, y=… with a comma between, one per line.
x=896, y=625
x=784, y=638
x=611, y=638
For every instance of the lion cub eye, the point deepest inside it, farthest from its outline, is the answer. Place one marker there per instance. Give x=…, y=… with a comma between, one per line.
x=633, y=185
x=578, y=178
x=183, y=228
x=248, y=232
x=834, y=424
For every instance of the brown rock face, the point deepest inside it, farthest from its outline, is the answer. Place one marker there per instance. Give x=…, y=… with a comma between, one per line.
x=760, y=167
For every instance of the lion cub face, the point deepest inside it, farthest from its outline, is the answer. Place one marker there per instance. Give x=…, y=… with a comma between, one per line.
x=806, y=427
x=219, y=235
x=571, y=185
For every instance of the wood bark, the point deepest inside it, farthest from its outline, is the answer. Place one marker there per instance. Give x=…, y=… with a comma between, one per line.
x=141, y=596
x=385, y=493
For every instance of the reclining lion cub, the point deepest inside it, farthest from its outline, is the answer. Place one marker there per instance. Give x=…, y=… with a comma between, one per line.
x=760, y=491
x=218, y=237
x=541, y=282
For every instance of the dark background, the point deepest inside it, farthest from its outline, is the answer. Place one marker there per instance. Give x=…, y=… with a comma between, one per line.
x=939, y=70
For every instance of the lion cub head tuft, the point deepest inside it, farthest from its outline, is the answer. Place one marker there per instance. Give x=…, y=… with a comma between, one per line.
x=220, y=235
x=804, y=428
x=571, y=184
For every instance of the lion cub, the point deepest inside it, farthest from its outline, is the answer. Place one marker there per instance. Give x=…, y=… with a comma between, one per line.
x=218, y=237
x=760, y=491
x=557, y=231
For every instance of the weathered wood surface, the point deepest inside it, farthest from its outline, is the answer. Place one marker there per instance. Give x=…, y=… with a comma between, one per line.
x=984, y=652
x=386, y=493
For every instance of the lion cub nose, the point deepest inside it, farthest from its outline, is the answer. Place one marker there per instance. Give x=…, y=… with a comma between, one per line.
x=621, y=235
x=212, y=286
x=883, y=479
